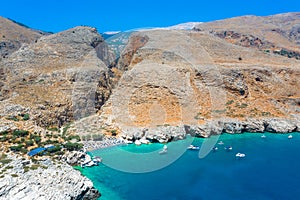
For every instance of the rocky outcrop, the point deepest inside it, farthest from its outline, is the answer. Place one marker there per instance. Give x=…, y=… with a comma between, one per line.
x=164, y=134
x=280, y=126
x=13, y=35
x=44, y=180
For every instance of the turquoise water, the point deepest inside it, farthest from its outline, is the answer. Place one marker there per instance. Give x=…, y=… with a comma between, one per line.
x=270, y=170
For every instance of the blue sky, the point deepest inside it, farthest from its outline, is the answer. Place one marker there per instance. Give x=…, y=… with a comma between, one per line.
x=129, y=14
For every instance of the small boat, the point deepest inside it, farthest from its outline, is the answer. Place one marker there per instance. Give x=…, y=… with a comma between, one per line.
x=263, y=136
x=215, y=148
x=240, y=155
x=228, y=148
x=290, y=137
x=192, y=147
x=97, y=160
x=221, y=143
x=164, y=151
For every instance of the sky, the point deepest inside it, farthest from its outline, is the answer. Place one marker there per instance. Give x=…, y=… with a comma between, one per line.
x=125, y=15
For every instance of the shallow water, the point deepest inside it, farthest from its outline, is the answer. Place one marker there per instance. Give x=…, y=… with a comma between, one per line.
x=270, y=170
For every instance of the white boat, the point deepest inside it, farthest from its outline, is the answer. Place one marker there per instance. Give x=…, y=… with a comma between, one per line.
x=164, y=151
x=240, y=155
x=229, y=148
x=290, y=137
x=192, y=147
x=221, y=143
x=263, y=136
x=215, y=148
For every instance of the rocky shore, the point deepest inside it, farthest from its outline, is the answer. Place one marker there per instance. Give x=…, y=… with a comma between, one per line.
x=164, y=134
x=108, y=142
x=46, y=179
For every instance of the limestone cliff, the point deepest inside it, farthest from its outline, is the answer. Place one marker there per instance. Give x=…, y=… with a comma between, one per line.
x=49, y=75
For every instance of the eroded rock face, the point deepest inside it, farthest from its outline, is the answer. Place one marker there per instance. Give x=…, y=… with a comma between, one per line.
x=254, y=126
x=60, y=78
x=280, y=126
x=48, y=181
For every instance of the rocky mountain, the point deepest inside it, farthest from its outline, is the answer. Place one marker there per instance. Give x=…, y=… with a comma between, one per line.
x=279, y=34
x=233, y=75
x=239, y=68
x=14, y=34
x=41, y=76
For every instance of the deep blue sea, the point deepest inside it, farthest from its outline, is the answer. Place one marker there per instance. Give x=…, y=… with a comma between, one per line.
x=270, y=170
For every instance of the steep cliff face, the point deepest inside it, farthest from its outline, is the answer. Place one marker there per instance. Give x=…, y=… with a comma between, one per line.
x=57, y=77
x=194, y=77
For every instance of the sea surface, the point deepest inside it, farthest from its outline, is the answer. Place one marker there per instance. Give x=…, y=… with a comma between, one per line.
x=270, y=170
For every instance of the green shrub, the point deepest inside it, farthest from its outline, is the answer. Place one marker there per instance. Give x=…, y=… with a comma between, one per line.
x=54, y=149
x=5, y=161
x=65, y=129
x=229, y=102
x=16, y=148
x=20, y=133
x=4, y=133
x=26, y=169
x=4, y=139
x=14, y=175
x=73, y=146
x=34, y=167
x=71, y=137
x=29, y=143
x=37, y=139
x=26, y=117
x=53, y=129
x=244, y=105
x=13, y=118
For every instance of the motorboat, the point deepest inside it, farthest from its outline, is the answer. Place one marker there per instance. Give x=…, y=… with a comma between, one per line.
x=290, y=137
x=240, y=155
x=263, y=136
x=215, y=148
x=192, y=147
x=164, y=150
x=221, y=143
x=228, y=148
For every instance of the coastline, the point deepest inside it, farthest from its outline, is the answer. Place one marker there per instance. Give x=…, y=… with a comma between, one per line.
x=240, y=143
x=163, y=134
